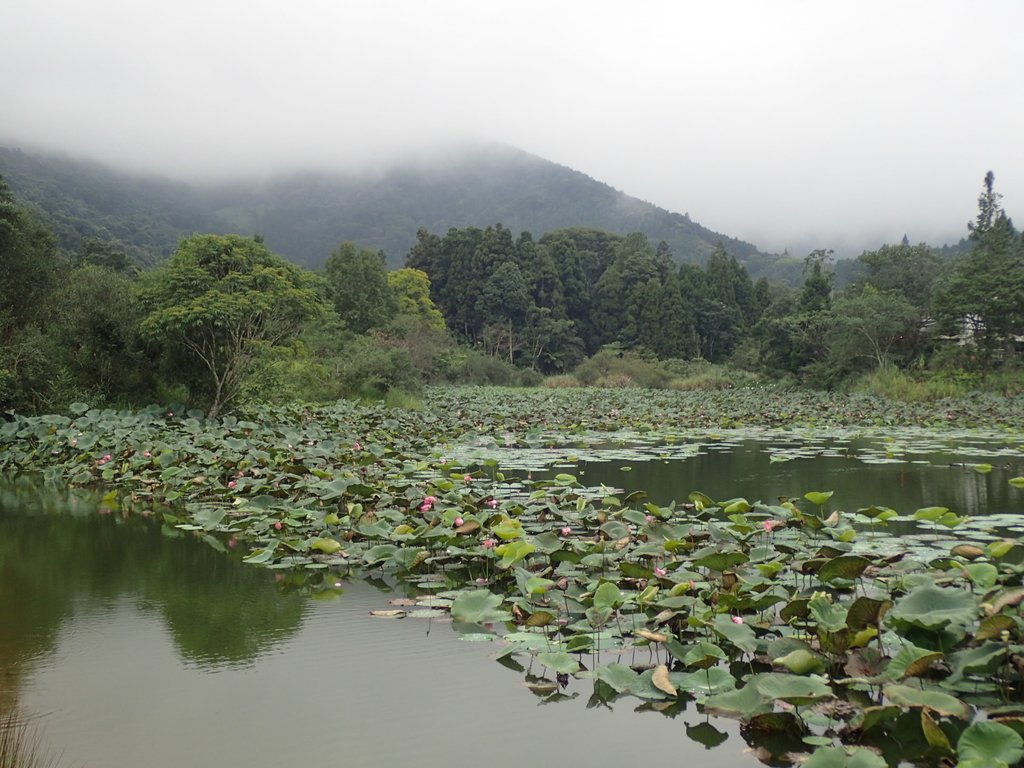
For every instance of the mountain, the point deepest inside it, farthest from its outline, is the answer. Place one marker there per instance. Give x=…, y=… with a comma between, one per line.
x=304, y=216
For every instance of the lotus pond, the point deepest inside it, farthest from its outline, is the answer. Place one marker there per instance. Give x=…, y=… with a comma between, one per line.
x=771, y=580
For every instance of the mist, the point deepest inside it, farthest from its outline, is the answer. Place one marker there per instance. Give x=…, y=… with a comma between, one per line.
x=792, y=125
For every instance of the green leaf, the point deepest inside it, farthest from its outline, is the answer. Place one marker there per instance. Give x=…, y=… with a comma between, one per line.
x=943, y=703
x=721, y=561
x=513, y=552
x=744, y=703
x=704, y=681
x=837, y=757
x=559, y=661
x=828, y=616
x=984, y=575
x=794, y=689
x=740, y=635
x=848, y=567
x=607, y=596
x=1017, y=482
x=990, y=743
x=801, y=662
x=477, y=607
x=818, y=497
x=910, y=661
x=327, y=546
x=932, y=607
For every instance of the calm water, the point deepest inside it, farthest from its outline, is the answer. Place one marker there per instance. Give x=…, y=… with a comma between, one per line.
x=132, y=648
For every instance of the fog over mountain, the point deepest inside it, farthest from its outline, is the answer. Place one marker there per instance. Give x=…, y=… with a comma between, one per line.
x=788, y=124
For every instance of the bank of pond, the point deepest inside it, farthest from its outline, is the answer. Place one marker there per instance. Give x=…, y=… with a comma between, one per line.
x=808, y=577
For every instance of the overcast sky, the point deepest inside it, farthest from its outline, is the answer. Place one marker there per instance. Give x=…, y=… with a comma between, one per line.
x=806, y=124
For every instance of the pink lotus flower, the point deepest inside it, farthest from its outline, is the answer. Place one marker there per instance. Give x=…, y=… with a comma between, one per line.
x=737, y=619
x=357, y=446
x=488, y=543
x=492, y=503
x=660, y=572
x=232, y=484
x=169, y=414
x=278, y=526
x=467, y=479
x=146, y=454
x=770, y=525
x=459, y=522
x=232, y=542
x=442, y=462
x=425, y=506
x=649, y=518
x=566, y=530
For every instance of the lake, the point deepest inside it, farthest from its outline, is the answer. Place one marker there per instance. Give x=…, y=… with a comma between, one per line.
x=131, y=645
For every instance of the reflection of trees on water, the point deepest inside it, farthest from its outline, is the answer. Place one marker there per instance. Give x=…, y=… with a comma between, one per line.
x=746, y=469
x=53, y=566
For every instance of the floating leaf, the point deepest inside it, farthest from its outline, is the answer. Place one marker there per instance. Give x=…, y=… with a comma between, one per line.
x=744, y=703
x=477, y=607
x=559, y=661
x=990, y=744
x=850, y=757
x=795, y=689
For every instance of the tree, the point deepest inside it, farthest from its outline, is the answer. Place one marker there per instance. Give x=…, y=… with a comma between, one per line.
x=909, y=269
x=219, y=300
x=358, y=284
x=816, y=295
x=411, y=289
x=869, y=326
x=30, y=271
x=985, y=289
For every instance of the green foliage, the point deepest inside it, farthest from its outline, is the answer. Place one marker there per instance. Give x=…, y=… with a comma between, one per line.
x=411, y=289
x=359, y=287
x=219, y=300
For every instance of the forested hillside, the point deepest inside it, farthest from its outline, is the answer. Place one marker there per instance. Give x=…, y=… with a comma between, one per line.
x=305, y=216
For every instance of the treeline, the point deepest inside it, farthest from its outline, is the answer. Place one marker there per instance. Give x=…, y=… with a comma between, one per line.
x=224, y=319
x=221, y=321
x=549, y=304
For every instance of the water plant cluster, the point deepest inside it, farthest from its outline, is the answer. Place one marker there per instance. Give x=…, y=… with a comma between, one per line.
x=798, y=618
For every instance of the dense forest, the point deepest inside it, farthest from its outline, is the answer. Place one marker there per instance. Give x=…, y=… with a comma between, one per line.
x=224, y=319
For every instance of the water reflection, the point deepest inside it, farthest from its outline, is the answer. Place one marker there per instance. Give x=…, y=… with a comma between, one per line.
x=81, y=566
x=746, y=469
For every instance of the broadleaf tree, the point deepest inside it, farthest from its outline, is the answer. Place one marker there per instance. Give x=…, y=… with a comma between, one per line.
x=218, y=300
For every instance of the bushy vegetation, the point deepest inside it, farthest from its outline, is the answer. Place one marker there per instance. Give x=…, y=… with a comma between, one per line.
x=225, y=321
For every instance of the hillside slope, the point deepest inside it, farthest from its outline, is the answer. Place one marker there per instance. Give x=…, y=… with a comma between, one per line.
x=304, y=216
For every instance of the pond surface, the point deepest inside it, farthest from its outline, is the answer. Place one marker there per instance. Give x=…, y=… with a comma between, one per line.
x=130, y=648
x=133, y=647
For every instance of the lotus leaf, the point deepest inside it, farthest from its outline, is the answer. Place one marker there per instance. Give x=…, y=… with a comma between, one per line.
x=477, y=607
x=836, y=757
x=943, y=703
x=795, y=689
x=559, y=661
x=990, y=744
x=932, y=607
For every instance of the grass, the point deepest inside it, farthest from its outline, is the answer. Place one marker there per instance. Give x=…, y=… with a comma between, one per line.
x=21, y=743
